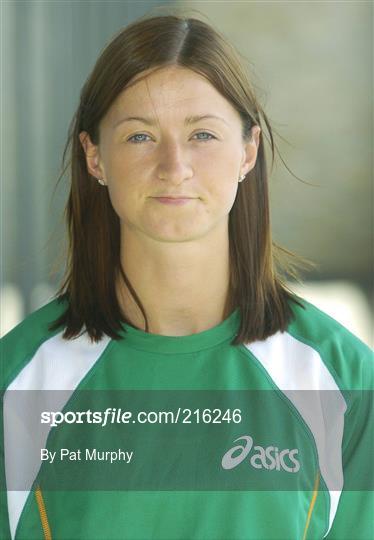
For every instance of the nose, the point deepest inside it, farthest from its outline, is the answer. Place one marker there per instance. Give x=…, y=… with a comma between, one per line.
x=173, y=162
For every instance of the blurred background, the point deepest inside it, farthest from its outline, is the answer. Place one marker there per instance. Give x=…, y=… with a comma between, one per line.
x=312, y=66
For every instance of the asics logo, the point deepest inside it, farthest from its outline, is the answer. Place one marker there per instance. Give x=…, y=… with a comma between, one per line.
x=261, y=458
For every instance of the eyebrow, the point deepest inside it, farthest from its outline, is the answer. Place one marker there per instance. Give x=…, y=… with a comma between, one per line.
x=150, y=122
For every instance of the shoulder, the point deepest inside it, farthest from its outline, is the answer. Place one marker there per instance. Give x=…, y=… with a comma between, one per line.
x=349, y=359
x=20, y=344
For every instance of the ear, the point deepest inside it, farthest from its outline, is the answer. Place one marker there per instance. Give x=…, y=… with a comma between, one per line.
x=250, y=149
x=94, y=165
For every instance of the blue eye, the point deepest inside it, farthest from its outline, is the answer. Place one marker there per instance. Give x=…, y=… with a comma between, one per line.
x=205, y=133
x=133, y=139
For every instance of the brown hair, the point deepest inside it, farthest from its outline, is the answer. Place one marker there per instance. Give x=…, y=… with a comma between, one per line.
x=257, y=268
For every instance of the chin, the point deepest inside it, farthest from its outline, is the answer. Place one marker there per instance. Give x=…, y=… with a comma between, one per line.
x=185, y=233
x=174, y=230
x=173, y=237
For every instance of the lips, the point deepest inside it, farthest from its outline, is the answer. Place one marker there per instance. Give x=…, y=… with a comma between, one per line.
x=168, y=199
x=173, y=197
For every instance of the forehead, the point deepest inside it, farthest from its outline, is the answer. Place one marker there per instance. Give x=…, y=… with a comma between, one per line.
x=172, y=89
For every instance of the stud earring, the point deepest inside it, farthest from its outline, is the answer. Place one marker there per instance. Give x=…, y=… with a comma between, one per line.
x=101, y=181
x=242, y=178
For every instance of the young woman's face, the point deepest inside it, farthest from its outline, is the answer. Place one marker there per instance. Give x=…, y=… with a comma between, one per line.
x=171, y=152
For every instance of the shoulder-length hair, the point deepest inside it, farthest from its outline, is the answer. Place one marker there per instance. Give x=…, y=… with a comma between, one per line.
x=257, y=264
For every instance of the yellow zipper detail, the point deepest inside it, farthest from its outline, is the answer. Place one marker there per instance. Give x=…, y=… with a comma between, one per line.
x=43, y=514
x=311, y=506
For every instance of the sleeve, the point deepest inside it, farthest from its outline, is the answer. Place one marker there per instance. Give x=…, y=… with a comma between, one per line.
x=354, y=518
x=4, y=518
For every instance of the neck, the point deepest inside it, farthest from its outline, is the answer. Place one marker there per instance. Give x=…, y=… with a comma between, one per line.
x=183, y=286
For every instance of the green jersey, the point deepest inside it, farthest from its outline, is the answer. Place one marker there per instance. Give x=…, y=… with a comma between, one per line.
x=186, y=438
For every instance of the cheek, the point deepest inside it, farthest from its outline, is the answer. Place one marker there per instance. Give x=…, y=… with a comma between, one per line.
x=225, y=163
x=230, y=177
x=229, y=195
x=223, y=188
x=122, y=196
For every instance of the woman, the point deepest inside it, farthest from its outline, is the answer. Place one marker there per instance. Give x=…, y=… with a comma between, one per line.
x=174, y=284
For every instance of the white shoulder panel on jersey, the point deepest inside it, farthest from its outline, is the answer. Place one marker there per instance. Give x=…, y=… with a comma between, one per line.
x=300, y=373
x=58, y=364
